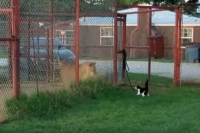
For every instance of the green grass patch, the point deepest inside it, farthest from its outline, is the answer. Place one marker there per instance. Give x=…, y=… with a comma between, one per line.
x=120, y=110
x=46, y=104
x=163, y=60
x=155, y=80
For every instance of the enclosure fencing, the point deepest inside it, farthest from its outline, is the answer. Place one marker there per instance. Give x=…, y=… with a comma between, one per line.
x=159, y=41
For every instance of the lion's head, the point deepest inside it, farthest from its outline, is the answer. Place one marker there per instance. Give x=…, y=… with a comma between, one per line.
x=86, y=70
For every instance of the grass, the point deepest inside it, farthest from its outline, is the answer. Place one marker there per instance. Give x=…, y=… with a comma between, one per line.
x=3, y=55
x=155, y=80
x=97, y=107
x=163, y=60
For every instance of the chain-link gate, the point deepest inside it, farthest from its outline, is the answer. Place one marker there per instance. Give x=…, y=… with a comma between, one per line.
x=190, y=44
x=45, y=25
x=42, y=32
x=97, y=37
x=150, y=35
x=8, y=53
x=48, y=21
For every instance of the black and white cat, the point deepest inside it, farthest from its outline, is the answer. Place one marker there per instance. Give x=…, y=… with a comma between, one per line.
x=144, y=91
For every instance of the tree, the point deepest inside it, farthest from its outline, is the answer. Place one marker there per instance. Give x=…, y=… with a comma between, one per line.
x=186, y=9
x=67, y=5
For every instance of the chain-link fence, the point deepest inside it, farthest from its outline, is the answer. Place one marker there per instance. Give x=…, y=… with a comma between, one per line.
x=190, y=44
x=150, y=43
x=5, y=56
x=43, y=26
x=97, y=36
x=46, y=25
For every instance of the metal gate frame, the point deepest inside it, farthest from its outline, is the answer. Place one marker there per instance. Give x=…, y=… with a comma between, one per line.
x=119, y=18
x=177, y=36
x=13, y=39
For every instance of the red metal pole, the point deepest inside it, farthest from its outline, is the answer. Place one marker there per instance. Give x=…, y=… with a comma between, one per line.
x=124, y=44
x=115, y=47
x=179, y=46
x=48, y=56
x=15, y=47
x=149, y=51
x=147, y=11
x=10, y=49
x=51, y=41
x=6, y=10
x=77, y=42
x=136, y=6
x=176, y=48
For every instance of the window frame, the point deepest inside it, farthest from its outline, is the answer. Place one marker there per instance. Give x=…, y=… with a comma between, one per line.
x=73, y=31
x=106, y=27
x=192, y=37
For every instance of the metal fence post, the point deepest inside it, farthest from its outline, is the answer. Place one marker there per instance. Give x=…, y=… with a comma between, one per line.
x=115, y=46
x=77, y=41
x=51, y=13
x=15, y=47
x=124, y=43
x=177, y=47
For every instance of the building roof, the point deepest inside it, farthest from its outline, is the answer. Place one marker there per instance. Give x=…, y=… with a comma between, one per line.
x=162, y=18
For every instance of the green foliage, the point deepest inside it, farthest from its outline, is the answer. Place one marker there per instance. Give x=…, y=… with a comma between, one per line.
x=135, y=77
x=47, y=104
x=186, y=9
x=167, y=110
x=66, y=6
x=44, y=105
x=89, y=88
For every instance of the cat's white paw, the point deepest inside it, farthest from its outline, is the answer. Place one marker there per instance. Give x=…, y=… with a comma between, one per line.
x=143, y=94
x=138, y=93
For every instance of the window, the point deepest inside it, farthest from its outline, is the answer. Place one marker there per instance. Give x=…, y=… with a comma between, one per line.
x=66, y=36
x=106, y=36
x=58, y=34
x=69, y=37
x=186, y=35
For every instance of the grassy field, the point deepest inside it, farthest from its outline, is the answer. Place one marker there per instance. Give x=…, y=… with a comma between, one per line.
x=154, y=79
x=110, y=110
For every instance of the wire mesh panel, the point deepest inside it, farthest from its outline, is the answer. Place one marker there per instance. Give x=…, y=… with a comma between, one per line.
x=44, y=27
x=97, y=36
x=162, y=47
x=190, y=45
x=5, y=75
x=119, y=54
x=150, y=30
x=5, y=56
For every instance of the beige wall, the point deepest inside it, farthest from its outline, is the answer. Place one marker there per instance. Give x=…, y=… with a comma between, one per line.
x=90, y=37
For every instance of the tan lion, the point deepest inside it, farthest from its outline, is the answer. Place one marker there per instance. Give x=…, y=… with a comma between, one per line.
x=67, y=71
